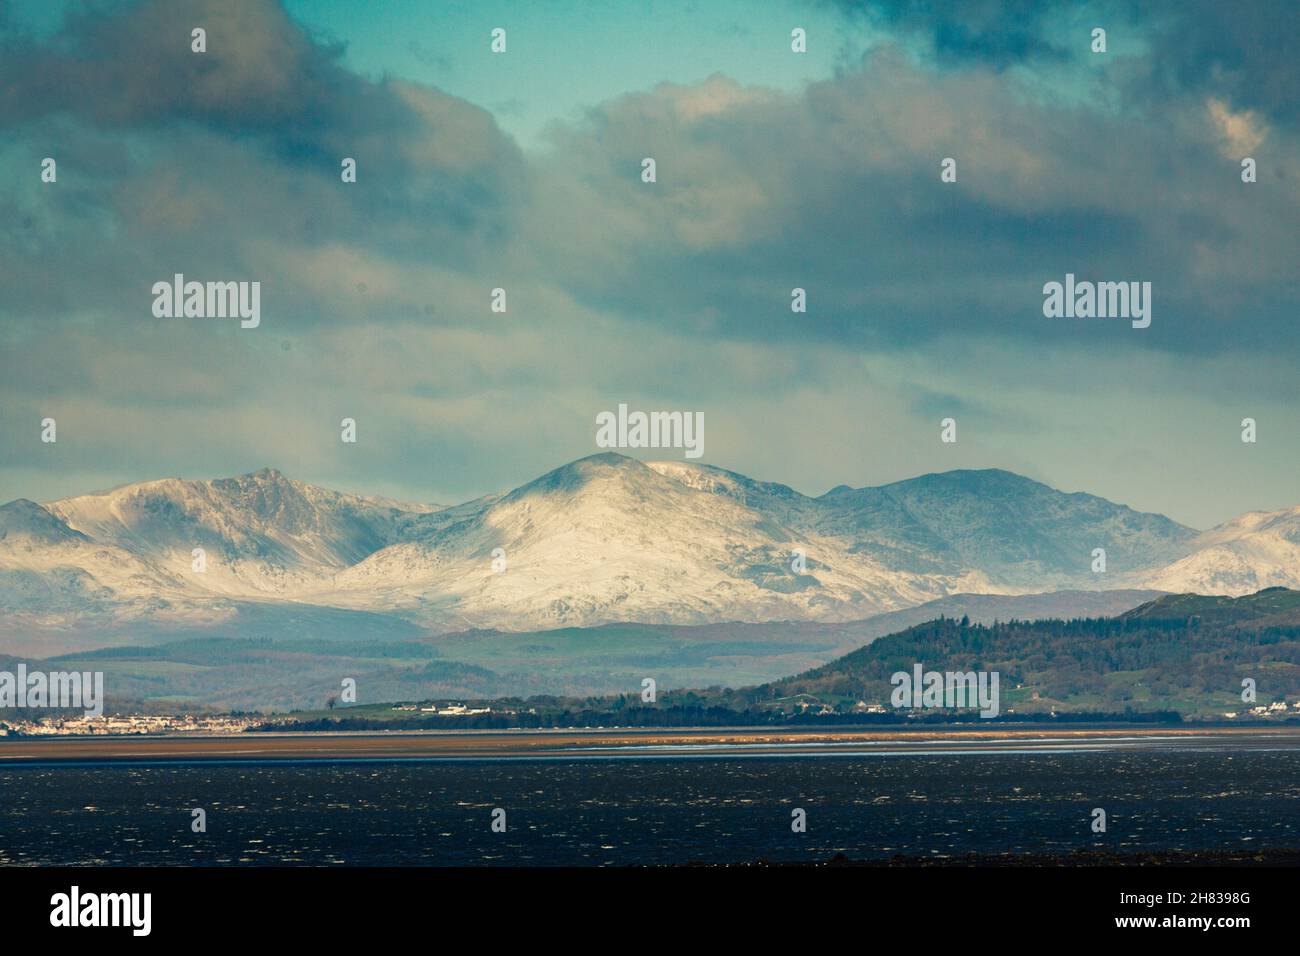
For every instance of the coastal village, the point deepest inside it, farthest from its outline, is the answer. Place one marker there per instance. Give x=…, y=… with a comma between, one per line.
x=128, y=724
x=195, y=724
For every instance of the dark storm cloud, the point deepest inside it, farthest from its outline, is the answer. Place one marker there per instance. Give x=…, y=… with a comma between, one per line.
x=1001, y=32
x=1244, y=52
x=837, y=191
x=227, y=164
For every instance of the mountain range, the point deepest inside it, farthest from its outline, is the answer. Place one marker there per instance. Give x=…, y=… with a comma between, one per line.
x=602, y=539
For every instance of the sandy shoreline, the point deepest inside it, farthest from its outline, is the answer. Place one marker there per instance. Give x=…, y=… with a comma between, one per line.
x=634, y=743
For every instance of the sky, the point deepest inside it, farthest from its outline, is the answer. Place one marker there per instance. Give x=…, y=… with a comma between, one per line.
x=775, y=170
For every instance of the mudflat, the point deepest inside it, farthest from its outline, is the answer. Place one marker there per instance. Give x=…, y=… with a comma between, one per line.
x=434, y=745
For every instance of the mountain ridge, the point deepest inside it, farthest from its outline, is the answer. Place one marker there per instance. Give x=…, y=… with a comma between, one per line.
x=609, y=538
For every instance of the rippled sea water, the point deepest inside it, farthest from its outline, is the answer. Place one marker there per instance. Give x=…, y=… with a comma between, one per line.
x=646, y=811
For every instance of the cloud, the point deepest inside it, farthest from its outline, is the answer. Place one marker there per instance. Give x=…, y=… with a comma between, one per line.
x=174, y=161
x=836, y=190
x=1243, y=53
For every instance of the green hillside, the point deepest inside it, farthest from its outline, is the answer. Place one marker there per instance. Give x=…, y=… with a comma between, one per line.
x=1181, y=652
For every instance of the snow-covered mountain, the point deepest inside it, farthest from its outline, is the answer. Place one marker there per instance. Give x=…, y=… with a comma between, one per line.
x=603, y=539
x=609, y=538
x=1257, y=550
x=261, y=534
x=50, y=570
x=1019, y=533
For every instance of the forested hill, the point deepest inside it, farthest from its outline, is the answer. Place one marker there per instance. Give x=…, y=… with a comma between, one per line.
x=1181, y=652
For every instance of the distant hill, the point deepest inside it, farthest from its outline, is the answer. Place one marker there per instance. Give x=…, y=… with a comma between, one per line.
x=1271, y=607
x=1179, y=652
x=989, y=608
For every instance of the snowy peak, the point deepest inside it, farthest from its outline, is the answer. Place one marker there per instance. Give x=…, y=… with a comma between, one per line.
x=260, y=532
x=1284, y=524
x=1257, y=550
x=605, y=471
x=608, y=538
x=27, y=522
x=1019, y=531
